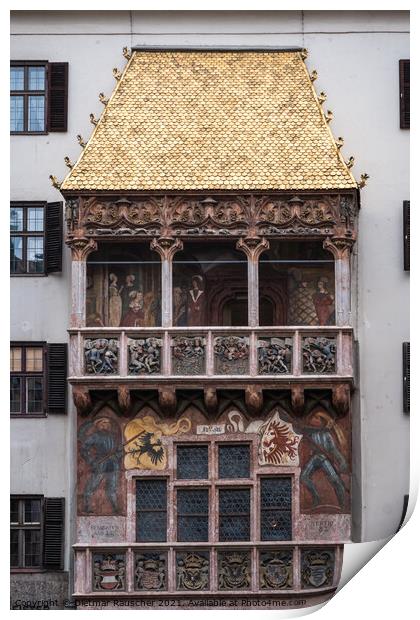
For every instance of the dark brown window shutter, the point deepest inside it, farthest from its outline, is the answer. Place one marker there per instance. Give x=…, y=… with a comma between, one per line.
x=54, y=533
x=406, y=377
x=54, y=237
x=404, y=94
x=57, y=95
x=57, y=378
x=406, y=224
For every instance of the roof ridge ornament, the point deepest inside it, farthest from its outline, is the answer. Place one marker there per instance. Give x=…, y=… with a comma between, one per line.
x=350, y=162
x=81, y=141
x=322, y=97
x=363, y=179
x=314, y=75
x=68, y=163
x=54, y=181
x=339, y=142
x=93, y=120
x=127, y=53
x=103, y=99
x=329, y=116
x=304, y=53
x=117, y=74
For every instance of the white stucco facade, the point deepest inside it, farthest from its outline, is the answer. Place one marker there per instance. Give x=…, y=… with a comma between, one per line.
x=356, y=55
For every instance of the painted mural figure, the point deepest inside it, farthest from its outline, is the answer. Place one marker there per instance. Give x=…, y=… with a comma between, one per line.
x=134, y=317
x=127, y=289
x=180, y=306
x=323, y=302
x=115, y=301
x=196, y=301
x=101, y=450
x=326, y=456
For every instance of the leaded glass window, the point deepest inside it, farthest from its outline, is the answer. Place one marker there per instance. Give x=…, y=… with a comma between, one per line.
x=192, y=462
x=193, y=514
x=234, y=461
x=234, y=514
x=151, y=510
x=276, y=508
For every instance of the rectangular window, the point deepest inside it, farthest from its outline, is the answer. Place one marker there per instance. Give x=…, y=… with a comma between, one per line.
x=28, y=97
x=276, y=508
x=27, y=238
x=192, y=462
x=27, y=379
x=234, y=461
x=234, y=514
x=26, y=532
x=193, y=515
x=151, y=510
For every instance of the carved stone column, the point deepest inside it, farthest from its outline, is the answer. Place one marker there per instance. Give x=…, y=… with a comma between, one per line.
x=166, y=248
x=340, y=247
x=253, y=247
x=81, y=246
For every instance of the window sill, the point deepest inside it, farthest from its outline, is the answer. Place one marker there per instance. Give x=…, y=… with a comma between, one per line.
x=29, y=133
x=28, y=415
x=28, y=275
x=27, y=570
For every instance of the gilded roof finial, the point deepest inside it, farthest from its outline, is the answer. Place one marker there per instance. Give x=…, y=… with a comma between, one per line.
x=81, y=141
x=103, y=99
x=363, y=178
x=68, y=163
x=322, y=97
x=54, y=181
x=93, y=120
x=126, y=53
x=339, y=142
x=350, y=162
x=313, y=75
x=117, y=74
x=304, y=53
x=329, y=116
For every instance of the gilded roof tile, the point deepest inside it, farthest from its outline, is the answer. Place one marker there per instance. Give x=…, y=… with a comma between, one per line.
x=181, y=120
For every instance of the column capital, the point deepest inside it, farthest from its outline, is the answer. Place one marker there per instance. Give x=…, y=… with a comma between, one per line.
x=166, y=247
x=253, y=247
x=340, y=246
x=81, y=246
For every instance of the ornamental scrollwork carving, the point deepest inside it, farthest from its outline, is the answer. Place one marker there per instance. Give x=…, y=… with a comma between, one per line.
x=101, y=356
x=320, y=212
x=319, y=355
x=144, y=355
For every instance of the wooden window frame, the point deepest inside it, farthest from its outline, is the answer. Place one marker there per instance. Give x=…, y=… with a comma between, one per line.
x=24, y=374
x=21, y=526
x=24, y=233
x=404, y=123
x=26, y=93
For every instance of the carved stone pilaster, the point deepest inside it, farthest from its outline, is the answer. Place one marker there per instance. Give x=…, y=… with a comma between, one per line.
x=82, y=399
x=81, y=246
x=253, y=246
x=166, y=248
x=253, y=399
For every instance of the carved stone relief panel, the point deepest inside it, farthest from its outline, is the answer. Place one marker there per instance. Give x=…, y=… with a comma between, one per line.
x=192, y=570
x=188, y=355
x=108, y=571
x=101, y=356
x=276, y=569
x=319, y=355
x=144, y=355
x=317, y=567
x=231, y=355
x=150, y=570
x=234, y=570
x=274, y=356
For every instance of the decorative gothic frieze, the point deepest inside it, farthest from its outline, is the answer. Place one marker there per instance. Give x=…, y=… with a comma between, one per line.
x=188, y=355
x=108, y=571
x=274, y=356
x=101, y=356
x=144, y=355
x=317, y=568
x=320, y=212
x=319, y=355
x=234, y=570
x=231, y=355
x=150, y=571
x=276, y=570
x=192, y=570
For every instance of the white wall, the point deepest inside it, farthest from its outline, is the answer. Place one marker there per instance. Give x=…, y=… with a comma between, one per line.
x=356, y=55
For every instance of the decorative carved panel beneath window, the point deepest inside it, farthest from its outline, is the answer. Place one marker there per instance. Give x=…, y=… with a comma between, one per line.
x=108, y=571
x=234, y=570
x=319, y=355
x=150, y=571
x=101, y=356
x=274, y=356
x=192, y=570
x=144, y=355
x=317, y=568
x=231, y=355
x=188, y=355
x=276, y=569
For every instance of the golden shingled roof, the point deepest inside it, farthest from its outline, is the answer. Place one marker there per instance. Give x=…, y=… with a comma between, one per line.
x=217, y=120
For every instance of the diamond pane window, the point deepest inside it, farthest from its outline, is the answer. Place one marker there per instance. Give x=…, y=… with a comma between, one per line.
x=276, y=508
x=151, y=510
x=234, y=514
x=234, y=461
x=193, y=514
x=192, y=462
